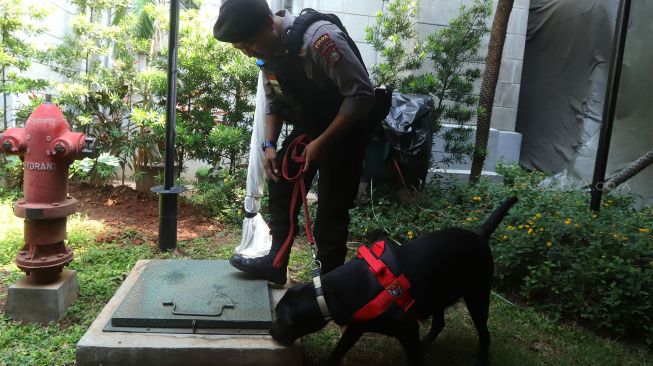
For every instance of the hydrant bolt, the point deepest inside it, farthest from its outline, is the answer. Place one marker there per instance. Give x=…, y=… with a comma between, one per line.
x=59, y=148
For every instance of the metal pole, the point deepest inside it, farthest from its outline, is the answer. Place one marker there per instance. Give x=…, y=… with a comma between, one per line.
x=171, y=105
x=610, y=103
x=168, y=194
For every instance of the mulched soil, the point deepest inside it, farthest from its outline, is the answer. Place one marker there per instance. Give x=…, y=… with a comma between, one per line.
x=125, y=208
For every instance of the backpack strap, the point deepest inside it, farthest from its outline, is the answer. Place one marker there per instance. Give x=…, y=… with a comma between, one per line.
x=295, y=35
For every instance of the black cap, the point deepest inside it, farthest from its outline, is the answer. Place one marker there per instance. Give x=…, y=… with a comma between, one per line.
x=239, y=20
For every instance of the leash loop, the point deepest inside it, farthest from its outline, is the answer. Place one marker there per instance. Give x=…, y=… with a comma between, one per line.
x=294, y=154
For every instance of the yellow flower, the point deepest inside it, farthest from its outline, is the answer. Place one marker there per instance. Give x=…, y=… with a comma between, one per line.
x=505, y=237
x=541, y=229
x=538, y=215
x=410, y=234
x=365, y=230
x=568, y=221
x=510, y=227
x=530, y=231
x=520, y=227
x=531, y=222
x=476, y=198
x=643, y=230
x=549, y=244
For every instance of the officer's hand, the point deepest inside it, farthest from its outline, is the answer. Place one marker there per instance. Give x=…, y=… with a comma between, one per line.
x=313, y=153
x=270, y=164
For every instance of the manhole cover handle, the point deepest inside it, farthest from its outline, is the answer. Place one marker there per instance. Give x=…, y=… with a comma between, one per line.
x=217, y=312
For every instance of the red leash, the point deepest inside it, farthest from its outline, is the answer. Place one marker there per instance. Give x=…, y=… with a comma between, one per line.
x=293, y=152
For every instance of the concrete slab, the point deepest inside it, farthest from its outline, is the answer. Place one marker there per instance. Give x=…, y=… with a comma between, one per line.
x=38, y=303
x=125, y=349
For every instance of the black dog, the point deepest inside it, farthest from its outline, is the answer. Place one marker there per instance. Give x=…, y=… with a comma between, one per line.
x=442, y=267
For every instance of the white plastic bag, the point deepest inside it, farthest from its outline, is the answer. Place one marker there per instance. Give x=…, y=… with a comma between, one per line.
x=256, y=240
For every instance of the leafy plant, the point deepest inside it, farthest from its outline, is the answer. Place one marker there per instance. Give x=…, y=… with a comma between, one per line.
x=203, y=175
x=223, y=198
x=391, y=35
x=18, y=21
x=11, y=172
x=96, y=172
x=98, y=96
x=452, y=53
x=214, y=101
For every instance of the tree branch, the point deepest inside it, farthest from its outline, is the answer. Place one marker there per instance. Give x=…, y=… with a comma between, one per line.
x=629, y=171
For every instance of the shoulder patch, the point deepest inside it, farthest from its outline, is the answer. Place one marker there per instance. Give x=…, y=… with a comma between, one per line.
x=321, y=41
x=333, y=57
x=327, y=48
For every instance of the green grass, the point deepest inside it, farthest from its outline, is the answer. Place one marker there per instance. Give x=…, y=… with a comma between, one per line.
x=520, y=336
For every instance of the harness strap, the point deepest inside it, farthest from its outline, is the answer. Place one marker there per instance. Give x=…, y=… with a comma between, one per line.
x=294, y=152
x=395, y=288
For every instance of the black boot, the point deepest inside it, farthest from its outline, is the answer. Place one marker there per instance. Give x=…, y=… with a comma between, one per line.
x=262, y=267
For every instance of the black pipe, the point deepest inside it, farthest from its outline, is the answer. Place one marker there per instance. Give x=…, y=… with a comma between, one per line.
x=168, y=194
x=171, y=105
x=610, y=103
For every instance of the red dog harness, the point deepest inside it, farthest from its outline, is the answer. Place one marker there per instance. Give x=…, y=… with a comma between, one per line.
x=395, y=288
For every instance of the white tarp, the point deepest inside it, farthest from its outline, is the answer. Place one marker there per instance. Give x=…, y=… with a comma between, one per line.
x=568, y=49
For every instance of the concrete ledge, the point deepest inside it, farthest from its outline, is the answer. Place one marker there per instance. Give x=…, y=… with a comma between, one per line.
x=501, y=146
x=125, y=349
x=462, y=175
x=38, y=303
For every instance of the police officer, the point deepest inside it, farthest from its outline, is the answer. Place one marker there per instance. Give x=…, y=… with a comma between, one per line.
x=322, y=88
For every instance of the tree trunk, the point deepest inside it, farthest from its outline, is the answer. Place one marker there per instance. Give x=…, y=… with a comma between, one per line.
x=629, y=171
x=4, y=102
x=489, y=86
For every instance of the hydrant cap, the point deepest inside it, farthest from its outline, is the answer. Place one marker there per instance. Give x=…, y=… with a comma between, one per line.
x=47, y=110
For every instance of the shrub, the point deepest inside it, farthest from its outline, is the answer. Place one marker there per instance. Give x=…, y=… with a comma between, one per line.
x=551, y=249
x=203, y=175
x=96, y=172
x=223, y=198
x=11, y=172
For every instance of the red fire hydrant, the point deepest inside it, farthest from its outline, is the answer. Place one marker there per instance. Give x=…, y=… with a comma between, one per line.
x=47, y=147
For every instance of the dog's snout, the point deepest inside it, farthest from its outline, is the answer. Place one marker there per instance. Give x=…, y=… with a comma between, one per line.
x=278, y=336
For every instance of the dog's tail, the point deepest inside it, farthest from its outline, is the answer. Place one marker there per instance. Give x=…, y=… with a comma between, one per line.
x=488, y=227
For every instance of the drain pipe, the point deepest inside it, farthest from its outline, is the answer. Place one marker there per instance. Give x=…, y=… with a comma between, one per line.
x=610, y=103
x=168, y=193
